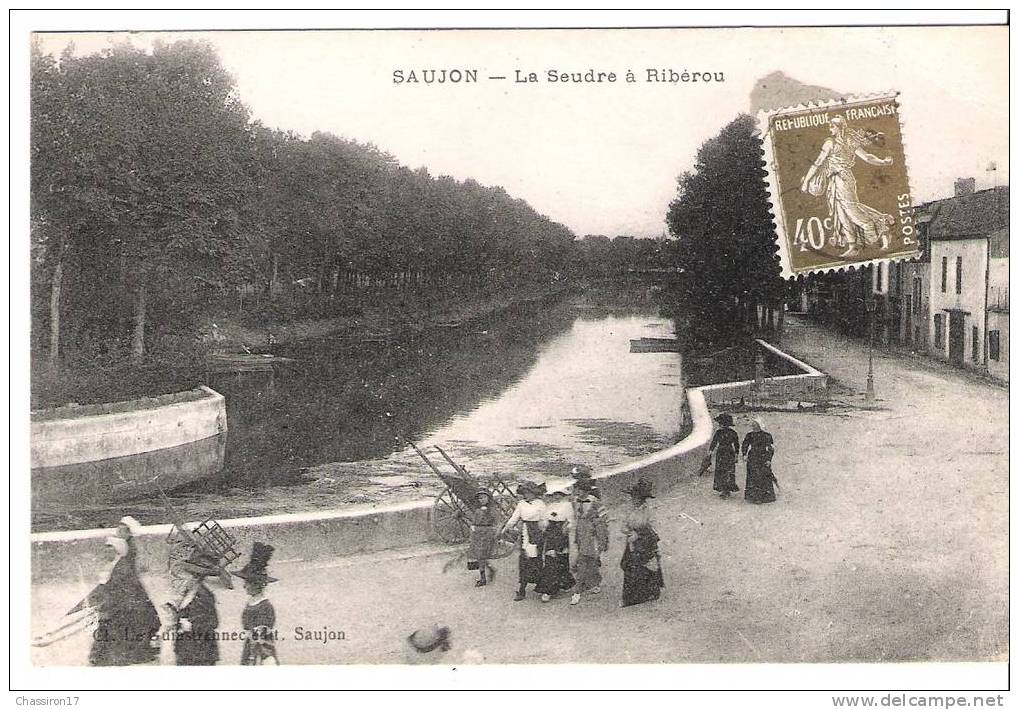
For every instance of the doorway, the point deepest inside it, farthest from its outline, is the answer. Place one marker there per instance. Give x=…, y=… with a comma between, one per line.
x=956, y=338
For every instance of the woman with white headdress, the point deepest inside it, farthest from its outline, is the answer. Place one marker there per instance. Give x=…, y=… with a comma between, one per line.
x=758, y=449
x=118, y=610
x=831, y=175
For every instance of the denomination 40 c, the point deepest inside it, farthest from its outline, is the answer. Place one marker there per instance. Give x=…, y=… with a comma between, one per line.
x=811, y=233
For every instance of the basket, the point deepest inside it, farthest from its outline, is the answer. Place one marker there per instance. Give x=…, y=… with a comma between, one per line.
x=208, y=537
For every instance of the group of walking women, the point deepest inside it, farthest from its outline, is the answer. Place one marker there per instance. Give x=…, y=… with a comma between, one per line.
x=562, y=541
x=757, y=449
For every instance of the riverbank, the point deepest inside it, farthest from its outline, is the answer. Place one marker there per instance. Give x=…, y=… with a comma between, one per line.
x=389, y=315
x=333, y=429
x=385, y=315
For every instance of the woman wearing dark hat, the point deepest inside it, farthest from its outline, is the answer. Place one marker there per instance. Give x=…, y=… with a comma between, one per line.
x=194, y=615
x=558, y=541
x=259, y=617
x=530, y=514
x=725, y=445
x=484, y=523
x=758, y=449
x=641, y=563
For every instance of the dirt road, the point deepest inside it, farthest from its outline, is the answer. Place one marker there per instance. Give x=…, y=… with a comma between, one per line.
x=888, y=543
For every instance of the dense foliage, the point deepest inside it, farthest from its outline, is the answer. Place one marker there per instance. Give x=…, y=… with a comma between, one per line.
x=725, y=245
x=154, y=194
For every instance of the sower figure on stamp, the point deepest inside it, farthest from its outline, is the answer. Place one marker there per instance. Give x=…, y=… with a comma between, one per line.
x=484, y=523
x=758, y=449
x=831, y=175
x=725, y=446
x=259, y=617
x=530, y=515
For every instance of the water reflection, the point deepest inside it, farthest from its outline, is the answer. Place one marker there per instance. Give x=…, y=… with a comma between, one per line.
x=531, y=391
x=332, y=405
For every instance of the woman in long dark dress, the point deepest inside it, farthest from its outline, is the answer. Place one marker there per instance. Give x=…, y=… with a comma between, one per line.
x=758, y=449
x=641, y=563
x=555, y=548
x=127, y=618
x=725, y=445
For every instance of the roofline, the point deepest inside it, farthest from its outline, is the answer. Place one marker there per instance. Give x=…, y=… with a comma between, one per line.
x=956, y=197
x=960, y=237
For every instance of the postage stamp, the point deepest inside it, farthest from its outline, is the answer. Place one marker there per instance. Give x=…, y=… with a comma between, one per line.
x=839, y=186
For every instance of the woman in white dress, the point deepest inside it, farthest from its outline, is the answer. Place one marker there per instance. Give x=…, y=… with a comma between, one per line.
x=530, y=515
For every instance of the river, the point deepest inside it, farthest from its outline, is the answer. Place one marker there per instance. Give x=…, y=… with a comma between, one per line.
x=532, y=392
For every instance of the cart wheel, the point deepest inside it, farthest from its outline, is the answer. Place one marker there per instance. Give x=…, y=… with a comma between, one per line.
x=448, y=520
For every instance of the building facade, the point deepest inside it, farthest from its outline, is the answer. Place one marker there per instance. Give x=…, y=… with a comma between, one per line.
x=997, y=306
x=952, y=303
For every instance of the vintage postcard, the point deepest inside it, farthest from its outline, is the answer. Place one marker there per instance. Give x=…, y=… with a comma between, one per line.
x=474, y=348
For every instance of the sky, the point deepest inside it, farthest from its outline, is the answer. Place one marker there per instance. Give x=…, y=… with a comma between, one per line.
x=603, y=158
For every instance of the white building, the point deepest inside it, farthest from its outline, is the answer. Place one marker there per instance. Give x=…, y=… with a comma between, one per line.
x=964, y=284
x=952, y=302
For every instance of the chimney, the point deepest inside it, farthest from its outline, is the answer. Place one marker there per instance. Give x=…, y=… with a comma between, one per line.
x=965, y=186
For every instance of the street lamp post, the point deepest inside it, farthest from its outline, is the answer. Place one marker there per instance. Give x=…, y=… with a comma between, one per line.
x=871, y=307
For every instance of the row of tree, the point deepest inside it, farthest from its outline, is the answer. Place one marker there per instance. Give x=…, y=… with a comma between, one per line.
x=153, y=191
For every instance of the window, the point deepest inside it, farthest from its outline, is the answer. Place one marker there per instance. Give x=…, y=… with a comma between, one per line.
x=994, y=345
x=939, y=330
x=944, y=274
x=917, y=295
x=976, y=344
x=958, y=274
x=898, y=278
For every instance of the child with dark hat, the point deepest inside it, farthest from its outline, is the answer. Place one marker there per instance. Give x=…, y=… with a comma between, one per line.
x=484, y=524
x=259, y=617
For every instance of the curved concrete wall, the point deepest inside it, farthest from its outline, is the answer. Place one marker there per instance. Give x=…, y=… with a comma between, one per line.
x=112, y=452
x=79, y=438
x=326, y=534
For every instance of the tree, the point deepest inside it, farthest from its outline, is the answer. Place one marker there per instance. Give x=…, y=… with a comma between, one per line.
x=152, y=154
x=725, y=242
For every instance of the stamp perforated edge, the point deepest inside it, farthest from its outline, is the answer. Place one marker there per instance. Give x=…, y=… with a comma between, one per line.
x=768, y=161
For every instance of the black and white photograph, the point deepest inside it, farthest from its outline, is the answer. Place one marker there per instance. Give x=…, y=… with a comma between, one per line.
x=502, y=346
